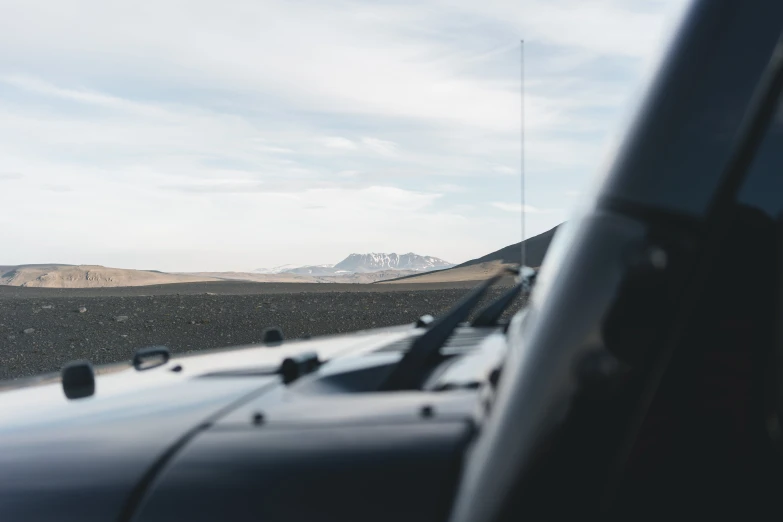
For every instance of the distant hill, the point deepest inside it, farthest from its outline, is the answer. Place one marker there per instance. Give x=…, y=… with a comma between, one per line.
x=49, y=266
x=364, y=264
x=484, y=266
x=477, y=272
x=274, y=269
x=88, y=276
x=94, y=276
x=535, y=250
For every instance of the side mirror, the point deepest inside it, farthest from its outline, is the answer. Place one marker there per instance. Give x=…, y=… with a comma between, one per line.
x=527, y=277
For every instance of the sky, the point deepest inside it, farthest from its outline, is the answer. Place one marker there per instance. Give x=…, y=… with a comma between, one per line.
x=193, y=135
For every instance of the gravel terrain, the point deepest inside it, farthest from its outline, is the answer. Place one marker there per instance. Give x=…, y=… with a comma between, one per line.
x=41, y=329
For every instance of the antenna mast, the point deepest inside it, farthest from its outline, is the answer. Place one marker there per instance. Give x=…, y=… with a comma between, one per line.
x=522, y=142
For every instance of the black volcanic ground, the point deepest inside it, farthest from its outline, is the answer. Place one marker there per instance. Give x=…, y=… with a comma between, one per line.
x=195, y=316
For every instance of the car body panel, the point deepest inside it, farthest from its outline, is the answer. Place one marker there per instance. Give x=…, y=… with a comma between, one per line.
x=80, y=459
x=384, y=471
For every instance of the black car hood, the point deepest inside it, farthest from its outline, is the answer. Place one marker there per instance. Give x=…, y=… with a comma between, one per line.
x=83, y=463
x=82, y=459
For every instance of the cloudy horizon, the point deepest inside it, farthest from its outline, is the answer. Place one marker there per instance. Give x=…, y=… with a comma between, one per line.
x=216, y=136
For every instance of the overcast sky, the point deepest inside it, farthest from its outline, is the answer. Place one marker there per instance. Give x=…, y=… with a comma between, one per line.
x=189, y=135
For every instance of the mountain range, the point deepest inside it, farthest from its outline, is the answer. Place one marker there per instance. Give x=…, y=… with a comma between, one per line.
x=356, y=268
x=365, y=263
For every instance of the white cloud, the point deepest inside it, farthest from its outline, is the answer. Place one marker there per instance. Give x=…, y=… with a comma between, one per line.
x=450, y=187
x=364, y=59
x=337, y=142
x=58, y=188
x=348, y=173
x=599, y=27
x=519, y=208
x=81, y=96
x=219, y=186
x=268, y=148
x=382, y=147
x=170, y=227
x=503, y=169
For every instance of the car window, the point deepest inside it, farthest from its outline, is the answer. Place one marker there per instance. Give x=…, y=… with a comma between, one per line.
x=678, y=157
x=762, y=192
x=763, y=185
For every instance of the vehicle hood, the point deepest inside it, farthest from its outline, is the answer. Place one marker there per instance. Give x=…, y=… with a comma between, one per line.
x=54, y=450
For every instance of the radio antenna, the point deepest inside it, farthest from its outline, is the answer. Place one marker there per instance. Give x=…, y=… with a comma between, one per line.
x=523, y=259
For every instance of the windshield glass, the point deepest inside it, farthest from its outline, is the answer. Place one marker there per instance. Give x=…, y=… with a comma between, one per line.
x=189, y=175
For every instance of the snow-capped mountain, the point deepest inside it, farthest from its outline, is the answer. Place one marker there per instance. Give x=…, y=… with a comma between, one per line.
x=364, y=263
x=274, y=269
x=374, y=262
x=315, y=270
